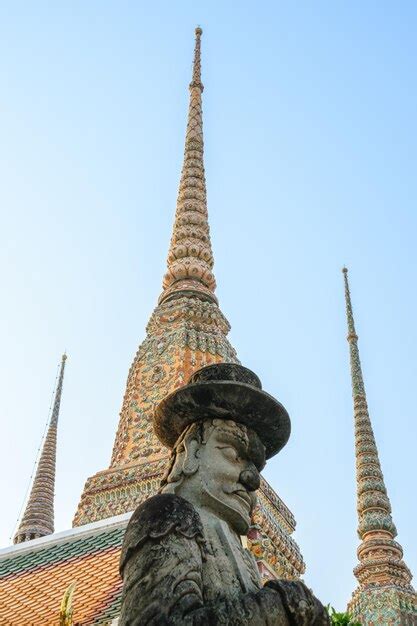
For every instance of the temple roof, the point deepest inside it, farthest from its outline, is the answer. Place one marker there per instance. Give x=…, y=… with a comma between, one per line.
x=34, y=575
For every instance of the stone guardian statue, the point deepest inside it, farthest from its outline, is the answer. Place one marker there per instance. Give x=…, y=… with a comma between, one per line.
x=183, y=561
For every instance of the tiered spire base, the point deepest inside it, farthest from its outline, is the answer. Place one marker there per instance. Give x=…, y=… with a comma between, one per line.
x=384, y=605
x=183, y=334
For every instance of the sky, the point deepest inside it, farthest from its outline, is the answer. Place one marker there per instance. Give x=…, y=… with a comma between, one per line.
x=310, y=144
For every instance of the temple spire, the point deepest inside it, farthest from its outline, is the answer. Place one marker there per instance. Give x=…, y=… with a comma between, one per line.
x=38, y=518
x=380, y=557
x=374, y=509
x=190, y=258
x=186, y=331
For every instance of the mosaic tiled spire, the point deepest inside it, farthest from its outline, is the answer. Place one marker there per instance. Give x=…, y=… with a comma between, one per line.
x=186, y=331
x=190, y=257
x=38, y=518
x=384, y=594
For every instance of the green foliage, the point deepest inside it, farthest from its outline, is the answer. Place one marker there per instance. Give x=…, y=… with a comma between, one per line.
x=341, y=619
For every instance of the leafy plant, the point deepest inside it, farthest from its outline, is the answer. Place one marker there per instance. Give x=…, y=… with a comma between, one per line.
x=341, y=619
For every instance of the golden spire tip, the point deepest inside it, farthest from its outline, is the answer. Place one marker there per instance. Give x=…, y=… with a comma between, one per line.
x=198, y=31
x=344, y=269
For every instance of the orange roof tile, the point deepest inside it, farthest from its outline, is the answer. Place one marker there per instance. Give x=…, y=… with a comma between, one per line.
x=35, y=575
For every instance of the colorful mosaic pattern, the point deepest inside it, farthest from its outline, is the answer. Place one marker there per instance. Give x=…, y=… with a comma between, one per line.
x=33, y=581
x=190, y=257
x=384, y=605
x=385, y=595
x=186, y=331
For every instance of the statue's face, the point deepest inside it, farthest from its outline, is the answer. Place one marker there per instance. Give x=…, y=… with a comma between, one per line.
x=216, y=466
x=229, y=465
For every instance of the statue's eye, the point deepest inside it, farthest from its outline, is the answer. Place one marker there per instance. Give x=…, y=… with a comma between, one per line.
x=229, y=452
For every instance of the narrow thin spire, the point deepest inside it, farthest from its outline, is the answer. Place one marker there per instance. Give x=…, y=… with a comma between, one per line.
x=380, y=557
x=190, y=258
x=38, y=518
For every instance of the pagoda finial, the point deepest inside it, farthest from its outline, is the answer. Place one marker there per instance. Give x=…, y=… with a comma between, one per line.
x=58, y=393
x=357, y=378
x=196, y=82
x=38, y=518
x=380, y=557
x=190, y=258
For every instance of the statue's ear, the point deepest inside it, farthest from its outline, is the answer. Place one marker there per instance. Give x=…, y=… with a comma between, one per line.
x=191, y=461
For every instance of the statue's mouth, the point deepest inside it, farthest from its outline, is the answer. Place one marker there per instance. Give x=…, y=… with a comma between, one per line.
x=244, y=496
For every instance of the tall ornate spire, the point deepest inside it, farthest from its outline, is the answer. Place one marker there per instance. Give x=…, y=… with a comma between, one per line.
x=186, y=331
x=38, y=518
x=190, y=258
x=381, y=572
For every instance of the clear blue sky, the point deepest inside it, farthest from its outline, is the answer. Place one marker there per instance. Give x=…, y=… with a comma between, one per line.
x=310, y=129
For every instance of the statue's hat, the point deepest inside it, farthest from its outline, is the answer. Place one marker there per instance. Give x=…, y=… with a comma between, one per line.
x=224, y=391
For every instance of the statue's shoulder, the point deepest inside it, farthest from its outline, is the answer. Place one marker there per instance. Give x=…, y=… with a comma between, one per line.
x=163, y=513
x=157, y=517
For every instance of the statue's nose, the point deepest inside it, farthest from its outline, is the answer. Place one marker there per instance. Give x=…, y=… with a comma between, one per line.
x=250, y=479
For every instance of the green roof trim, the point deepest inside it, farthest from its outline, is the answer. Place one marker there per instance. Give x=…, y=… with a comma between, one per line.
x=60, y=552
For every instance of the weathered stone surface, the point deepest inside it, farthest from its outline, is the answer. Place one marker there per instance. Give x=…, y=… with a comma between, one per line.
x=184, y=558
x=230, y=398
